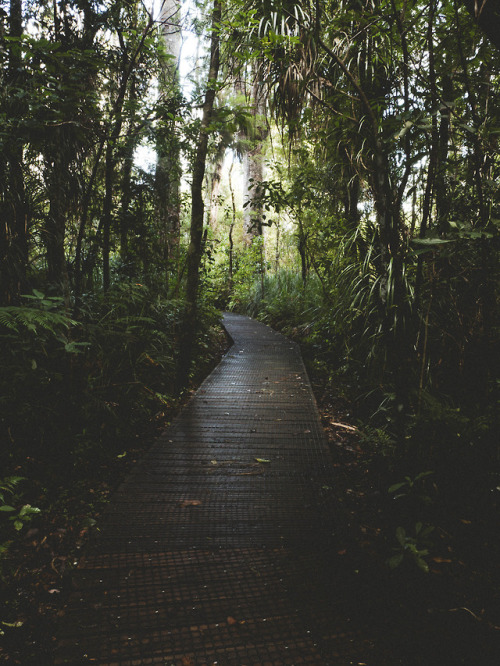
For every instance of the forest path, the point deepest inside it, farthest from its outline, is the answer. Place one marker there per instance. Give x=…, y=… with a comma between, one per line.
x=216, y=549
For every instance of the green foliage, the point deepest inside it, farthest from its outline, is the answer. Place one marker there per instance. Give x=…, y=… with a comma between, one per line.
x=414, y=497
x=248, y=277
x=44, y=313
x=13, y=513
x=70, y=391
x=410, y=486
x=379, y=441
x=283, y=301
x=414, y=548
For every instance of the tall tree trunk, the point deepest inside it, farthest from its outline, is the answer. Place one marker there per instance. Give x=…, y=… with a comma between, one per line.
x=111, y=159
x=215, y=182
x=107, y=210
x=13, y=226
x=168, y=167
x=433, y=155
x=302, y=247
x=197, y=205
x=55, y=227
x=110, y=162
x=442, y=194
x=231, y=228
x=277, y=254
x=253, y=163
x=478, y=157
x=80, y=264
x=125, y=213
x=393, y=308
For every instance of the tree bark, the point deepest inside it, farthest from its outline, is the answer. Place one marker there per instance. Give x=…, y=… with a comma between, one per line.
x=194, y=252
x=168, y=167
x=55, y=227
x=215, y=183
x=253, y=164
x=125, y=214
x=231, y=228
x=13, y=226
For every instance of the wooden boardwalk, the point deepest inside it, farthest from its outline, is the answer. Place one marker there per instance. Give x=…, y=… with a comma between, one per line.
x=216, y=549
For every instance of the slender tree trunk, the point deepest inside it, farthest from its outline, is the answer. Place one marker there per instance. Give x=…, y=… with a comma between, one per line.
x=80, y=265
x=352, y=200
x=478, y=157
x=215, y=182
x=107, y=210
x=125, y=213
x=110, y=162
x=302, y=247
x=253, y=164
x=277, y=254
x=111, y=158
x=433, y=156
x=168, y=167
x=442, y=194
x=231, y=228
x=197, y=205
x=55, y=227
x=13, y=226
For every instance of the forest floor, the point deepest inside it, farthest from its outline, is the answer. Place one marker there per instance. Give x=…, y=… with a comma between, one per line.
x=447, y=616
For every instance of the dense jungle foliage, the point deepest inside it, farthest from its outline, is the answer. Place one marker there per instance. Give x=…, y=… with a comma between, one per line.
x=330, y=168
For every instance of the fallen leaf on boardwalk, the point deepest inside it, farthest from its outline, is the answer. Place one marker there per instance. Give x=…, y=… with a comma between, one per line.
x=231, y=621
x=187, y=661
x=262, y=460
x=186, y=503
x=465, y=522
x=306, y=432
x=214, y=462
x=342, y=552
x=441, y=560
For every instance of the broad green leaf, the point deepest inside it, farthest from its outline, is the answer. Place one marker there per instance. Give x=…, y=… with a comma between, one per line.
x=395, y=560
x=401, y=535
x=396, y=486
x=422, y=564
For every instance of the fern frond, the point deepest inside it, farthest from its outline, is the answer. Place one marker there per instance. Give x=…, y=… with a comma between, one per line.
x=17, y=318
x=8, y=319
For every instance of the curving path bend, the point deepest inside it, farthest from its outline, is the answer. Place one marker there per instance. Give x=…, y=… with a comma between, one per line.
x=216, y=548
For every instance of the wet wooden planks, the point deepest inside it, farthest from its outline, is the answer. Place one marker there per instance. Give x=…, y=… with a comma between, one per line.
x=215, y=550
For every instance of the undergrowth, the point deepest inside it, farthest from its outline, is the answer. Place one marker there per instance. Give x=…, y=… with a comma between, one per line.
x=80, y=398
x=416, y=510
x=452, y=433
